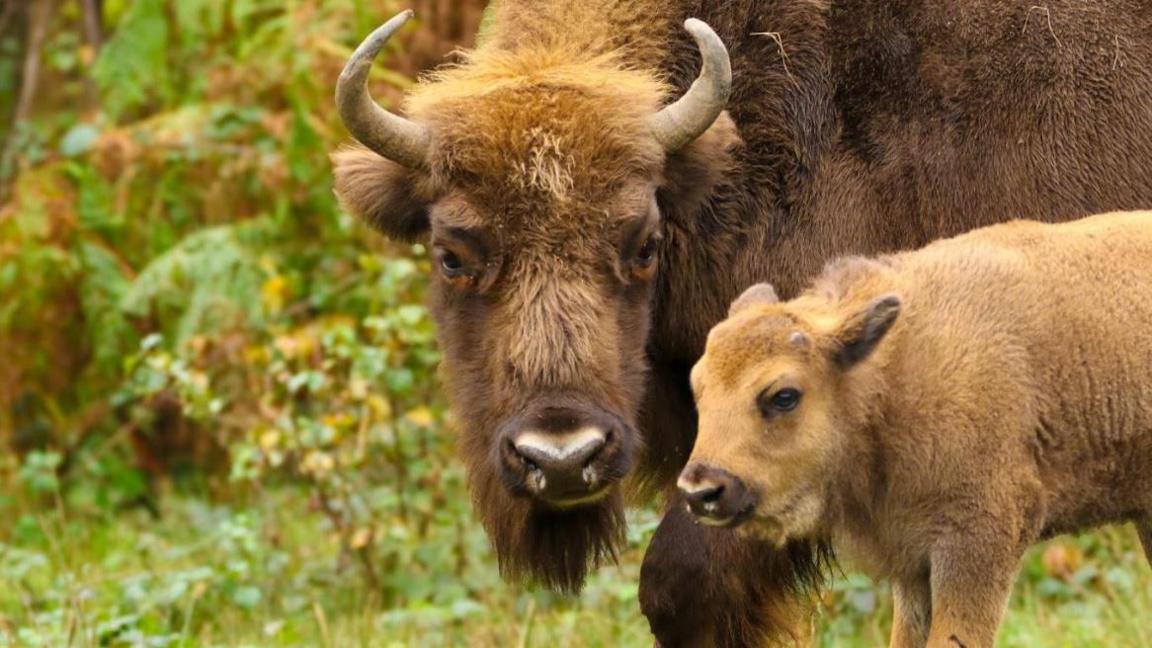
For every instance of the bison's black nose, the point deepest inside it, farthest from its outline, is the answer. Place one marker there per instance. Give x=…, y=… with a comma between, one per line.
x=562, y=456
x=716, y=497
x=560, y=463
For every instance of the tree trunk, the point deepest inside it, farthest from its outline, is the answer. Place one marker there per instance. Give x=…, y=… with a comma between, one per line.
x=94, y=23
x=31, y=21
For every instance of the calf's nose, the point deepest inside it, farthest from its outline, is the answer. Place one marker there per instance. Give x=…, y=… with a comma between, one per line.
x=561, y=464
x=716, y=497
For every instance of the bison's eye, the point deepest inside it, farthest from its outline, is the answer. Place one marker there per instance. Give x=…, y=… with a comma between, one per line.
x=647, y=253
x=784, y=400
x=450, y=264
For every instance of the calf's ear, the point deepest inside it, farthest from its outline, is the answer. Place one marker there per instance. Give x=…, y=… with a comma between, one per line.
x=859, y=335
x=388, y=196
x=761, y=293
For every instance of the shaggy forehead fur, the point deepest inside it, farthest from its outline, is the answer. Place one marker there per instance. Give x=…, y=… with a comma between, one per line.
x=540, y=132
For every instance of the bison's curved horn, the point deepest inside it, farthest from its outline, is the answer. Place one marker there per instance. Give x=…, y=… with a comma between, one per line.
x=678, y=124
x=393, y=137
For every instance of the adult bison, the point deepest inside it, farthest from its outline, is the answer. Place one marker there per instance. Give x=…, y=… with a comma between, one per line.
x=592, y=216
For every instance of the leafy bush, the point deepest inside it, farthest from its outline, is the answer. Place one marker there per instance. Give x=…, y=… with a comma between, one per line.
x=184, y=299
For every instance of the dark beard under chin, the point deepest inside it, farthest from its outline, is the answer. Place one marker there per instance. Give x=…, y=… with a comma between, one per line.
x=555, y=548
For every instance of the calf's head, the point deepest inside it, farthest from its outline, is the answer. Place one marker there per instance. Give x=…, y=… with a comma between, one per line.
x=779, y=388
x=534, y=176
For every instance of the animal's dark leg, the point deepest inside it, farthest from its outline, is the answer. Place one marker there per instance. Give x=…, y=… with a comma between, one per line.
x=701, y=586
x=675, y=570
x=1144, y=528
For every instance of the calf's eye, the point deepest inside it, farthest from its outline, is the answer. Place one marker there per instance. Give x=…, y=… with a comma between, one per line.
x=784, y=400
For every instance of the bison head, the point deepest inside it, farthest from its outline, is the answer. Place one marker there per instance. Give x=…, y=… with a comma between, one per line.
x=534, y=174
x=781, y=389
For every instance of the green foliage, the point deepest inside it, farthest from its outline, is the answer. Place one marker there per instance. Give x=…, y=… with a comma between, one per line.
x=206, y=283
x=133, y=68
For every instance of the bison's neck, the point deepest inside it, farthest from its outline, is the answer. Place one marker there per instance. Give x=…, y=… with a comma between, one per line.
x=725, y=238
x=783, y=106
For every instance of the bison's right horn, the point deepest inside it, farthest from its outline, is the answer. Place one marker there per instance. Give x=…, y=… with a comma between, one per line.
x=682, y=122
x=395, y=138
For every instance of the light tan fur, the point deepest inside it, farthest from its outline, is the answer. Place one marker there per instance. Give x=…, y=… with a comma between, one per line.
x=1010, y=400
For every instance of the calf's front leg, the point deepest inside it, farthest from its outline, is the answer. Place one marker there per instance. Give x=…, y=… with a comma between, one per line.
x=1144, y=528
x=971, y=580
x=911, y=612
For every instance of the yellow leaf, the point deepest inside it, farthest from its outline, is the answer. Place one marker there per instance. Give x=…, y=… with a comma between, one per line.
x=274, y=292
x=421, y=416
x=318, y=464
x=338, y=420
x=297, y=344
x=358, y=388
x=256, y=355
x=270, y=440
x=380, y=406
x=1062, y=560
x=361, y=538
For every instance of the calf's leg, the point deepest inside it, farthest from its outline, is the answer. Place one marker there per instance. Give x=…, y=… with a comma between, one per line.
x=971, y=580
x=1144, y=528
x=911, y=612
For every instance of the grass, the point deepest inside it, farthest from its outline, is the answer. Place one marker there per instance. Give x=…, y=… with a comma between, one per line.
x=265, y=574
x=1086, y=591
x=216, y=575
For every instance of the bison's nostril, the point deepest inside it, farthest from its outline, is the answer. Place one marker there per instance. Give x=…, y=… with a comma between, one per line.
x=525, y=460
x=712, y=496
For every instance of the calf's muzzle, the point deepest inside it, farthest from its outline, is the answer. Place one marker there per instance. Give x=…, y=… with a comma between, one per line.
x=716, y=497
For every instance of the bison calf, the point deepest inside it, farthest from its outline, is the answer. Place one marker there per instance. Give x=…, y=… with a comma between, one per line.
x=934, y=413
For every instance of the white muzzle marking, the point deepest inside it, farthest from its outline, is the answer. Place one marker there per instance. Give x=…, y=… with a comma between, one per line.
x=559, y=447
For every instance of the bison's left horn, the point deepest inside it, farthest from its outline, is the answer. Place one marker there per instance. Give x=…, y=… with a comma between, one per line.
x=393, y=137
x=680, y=123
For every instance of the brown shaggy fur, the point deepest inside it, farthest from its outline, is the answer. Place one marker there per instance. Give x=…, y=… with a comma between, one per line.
x=1006, y=399
x=859, y=127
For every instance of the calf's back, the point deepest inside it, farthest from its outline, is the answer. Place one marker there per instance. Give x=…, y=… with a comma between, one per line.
x=1028, y=352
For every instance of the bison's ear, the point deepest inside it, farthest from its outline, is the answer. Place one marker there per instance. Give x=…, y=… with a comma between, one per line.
x=761, y=293
x=391, y=198
x=859, y=335
x=692, y=173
